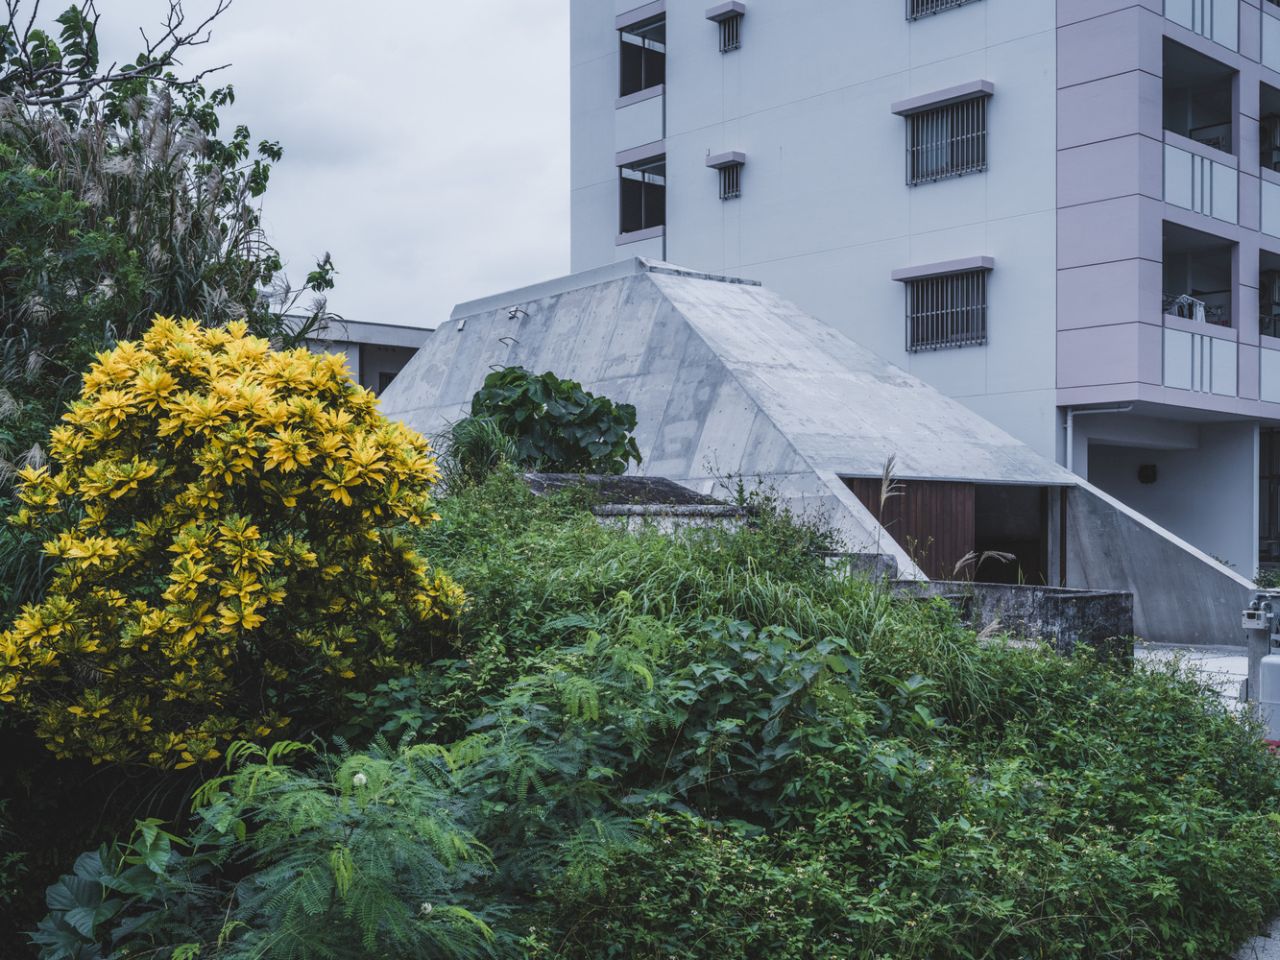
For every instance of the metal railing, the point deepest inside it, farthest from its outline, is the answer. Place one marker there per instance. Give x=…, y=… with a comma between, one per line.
x=924, y=8
x=947, y=311
x=947, y=141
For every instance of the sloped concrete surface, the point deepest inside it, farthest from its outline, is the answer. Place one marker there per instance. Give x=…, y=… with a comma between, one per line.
x=729, y=379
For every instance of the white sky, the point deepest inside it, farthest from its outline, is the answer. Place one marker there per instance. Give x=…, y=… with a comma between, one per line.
x=426, y=142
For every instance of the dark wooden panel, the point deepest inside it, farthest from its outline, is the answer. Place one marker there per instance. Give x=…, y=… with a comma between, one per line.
x=932, y=520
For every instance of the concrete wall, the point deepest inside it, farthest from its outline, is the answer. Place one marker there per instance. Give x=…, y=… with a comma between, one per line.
x=1208, y=495
x=825, y=214
x=1180, y=594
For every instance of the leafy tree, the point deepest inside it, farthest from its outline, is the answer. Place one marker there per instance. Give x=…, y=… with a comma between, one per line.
x=121, y=197
x=556, y=425
x=222, y=519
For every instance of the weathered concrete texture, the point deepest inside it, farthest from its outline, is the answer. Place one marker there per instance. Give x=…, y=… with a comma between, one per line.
x=1101, y=620
x=1180, y=594
x=730, y=380
x=625, y=489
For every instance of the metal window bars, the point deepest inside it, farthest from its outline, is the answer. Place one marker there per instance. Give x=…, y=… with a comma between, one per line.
x=947, y=141
x=947, y=311
x=924, y=8
x=731, y=181
x=731, y=33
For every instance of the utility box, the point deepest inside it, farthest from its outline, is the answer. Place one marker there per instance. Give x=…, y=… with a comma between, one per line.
x=1261, y=622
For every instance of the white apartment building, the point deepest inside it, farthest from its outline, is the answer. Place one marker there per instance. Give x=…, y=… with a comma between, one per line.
x=1065, y=213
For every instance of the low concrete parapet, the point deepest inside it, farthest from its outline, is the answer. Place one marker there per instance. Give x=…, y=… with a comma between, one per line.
x=1101, y=620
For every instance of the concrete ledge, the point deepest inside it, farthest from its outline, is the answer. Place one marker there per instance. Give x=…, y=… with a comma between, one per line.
x=940, y=98
x=648, y=151
x=734, y=158
x=944, y=267
x=640, y=14
x=635, y=236
x=723, y=11
x=640, y=96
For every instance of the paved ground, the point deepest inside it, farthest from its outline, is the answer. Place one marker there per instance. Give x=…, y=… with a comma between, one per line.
x=1224, y=667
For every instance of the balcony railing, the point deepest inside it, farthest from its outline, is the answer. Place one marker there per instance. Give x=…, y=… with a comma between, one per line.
x=1195, y=182
x=1197, y=309
x=1218, y=20
x=1200, y=363
x=1271, y=36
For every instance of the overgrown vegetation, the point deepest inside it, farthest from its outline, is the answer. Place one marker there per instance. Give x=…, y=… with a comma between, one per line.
x=708, y=746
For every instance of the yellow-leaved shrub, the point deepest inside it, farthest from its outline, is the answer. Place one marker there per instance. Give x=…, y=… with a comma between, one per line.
x=221, y=518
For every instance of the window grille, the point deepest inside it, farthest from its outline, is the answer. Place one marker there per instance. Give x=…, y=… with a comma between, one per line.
x=947, y=141
x=731, y=181
x=644, y=56
x=731, y=33
x=643, y=195
x=924, y=8
x=947, y=311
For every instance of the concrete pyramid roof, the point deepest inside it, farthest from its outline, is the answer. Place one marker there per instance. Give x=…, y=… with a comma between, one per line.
x=730, y=380
x=701, y=357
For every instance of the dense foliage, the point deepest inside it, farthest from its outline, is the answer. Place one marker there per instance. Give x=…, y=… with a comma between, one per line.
x=556, y=425
x=223, y=519
x=123, y=197
x=709, y=746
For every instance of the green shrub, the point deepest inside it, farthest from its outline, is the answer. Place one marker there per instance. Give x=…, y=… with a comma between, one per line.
x=708, y=746
x=557, y=426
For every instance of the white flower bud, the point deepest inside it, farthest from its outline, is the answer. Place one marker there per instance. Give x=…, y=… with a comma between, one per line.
x=359, y=779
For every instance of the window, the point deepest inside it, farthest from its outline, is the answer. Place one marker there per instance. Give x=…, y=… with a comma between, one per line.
x=731, y=181
x=949, y=310
x=643, y=192
x=644, y=55
x=923, y=8
x=384, y=380
x=729, y=167
x=731, y=33
x=947, y=141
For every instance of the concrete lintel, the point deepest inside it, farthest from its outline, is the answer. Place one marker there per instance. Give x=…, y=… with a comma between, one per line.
x=640, y=14
x=723, y=11
x=640, y=96
x=649, y=151
x=944, y=267
x=734, y=158
x=635, y=236
x=940, y=98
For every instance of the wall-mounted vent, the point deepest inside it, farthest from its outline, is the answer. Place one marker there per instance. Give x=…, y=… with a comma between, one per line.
x=729, y=17
x=729, y=166
x=926, y=8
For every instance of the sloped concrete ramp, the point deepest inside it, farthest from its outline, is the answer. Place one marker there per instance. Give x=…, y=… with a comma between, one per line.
x=729, y=379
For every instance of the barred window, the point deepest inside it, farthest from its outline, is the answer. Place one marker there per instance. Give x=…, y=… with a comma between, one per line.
x=947, y=311
x=731, y=181
x=643, y=195
x=731, y=33
x=924, y=8
x=947, y=141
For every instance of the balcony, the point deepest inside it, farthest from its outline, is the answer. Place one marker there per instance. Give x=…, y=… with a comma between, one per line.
x=1198, y=98
x=1217, y=20
x=1200, y=349
x=1200, y=179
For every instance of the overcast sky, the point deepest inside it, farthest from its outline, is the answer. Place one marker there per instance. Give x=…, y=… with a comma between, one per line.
x=426, y=142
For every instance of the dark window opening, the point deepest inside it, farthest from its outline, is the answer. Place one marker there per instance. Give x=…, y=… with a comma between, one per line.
x=644, y=56
x=384, y=380
x=1198, y=97
x=643, y=192
x=947, y=141
x=947, y=311
x=1269, y=514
